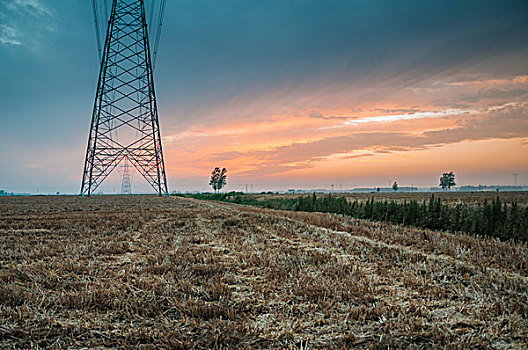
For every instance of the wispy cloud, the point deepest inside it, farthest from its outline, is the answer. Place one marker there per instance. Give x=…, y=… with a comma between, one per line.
x=510, y=121
x=26, y=23
x=390, y=134
x=271, y=134
x=32, y=7
x=8, y=35
x=479, y=81
x=410, y=116
x=34, y=166
x=328, y=117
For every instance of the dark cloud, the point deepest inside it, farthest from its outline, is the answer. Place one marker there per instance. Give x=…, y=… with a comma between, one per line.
x=466, y=78
x=493, y=94
x=398, y=110
x=508, y=122
x=353, y=156
x=330, y=117
x=225, y=50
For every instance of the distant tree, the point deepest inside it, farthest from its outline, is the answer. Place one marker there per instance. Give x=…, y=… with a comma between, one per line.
x=447, y=180
x=218, y=179
x=378, y=189
x=395, y=186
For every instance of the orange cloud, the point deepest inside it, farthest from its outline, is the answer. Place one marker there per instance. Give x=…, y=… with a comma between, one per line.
x=304, y=131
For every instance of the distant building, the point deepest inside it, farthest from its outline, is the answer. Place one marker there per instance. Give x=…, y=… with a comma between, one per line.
x=291, y=191
x=2, y=193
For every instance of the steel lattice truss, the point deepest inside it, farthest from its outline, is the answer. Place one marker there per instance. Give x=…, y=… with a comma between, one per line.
x=125, y=116
x=126, y=186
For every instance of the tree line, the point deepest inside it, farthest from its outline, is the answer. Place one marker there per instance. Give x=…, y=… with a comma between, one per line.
x=495, y=218
x=491, y=218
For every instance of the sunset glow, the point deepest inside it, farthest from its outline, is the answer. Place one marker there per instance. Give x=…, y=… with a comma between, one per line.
x=370, y=141
x=282, y=102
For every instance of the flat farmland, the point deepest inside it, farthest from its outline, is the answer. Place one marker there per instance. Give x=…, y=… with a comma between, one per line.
x=151, y=272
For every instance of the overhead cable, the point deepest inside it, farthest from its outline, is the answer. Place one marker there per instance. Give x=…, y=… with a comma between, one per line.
x=96, y=25
x=157, y=35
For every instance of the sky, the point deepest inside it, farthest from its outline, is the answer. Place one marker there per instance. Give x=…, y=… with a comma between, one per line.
x=283, y=93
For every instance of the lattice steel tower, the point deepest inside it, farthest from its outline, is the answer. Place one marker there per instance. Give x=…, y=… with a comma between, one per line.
x=125, y=116
x=126, y=179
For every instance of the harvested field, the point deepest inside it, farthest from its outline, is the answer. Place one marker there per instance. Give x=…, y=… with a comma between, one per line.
x=134, y=271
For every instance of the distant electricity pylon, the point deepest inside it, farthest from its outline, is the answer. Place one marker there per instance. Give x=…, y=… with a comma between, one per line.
x=515, y=178
x=125, y=123
x=126, y=179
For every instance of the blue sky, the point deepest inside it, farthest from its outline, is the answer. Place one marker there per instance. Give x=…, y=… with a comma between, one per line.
x=296, y=71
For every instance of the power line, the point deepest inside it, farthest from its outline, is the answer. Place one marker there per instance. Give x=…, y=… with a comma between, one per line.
x=96, y=25
x=105, y=3
x=157, y=34
x=155, y=24
x=153, y=2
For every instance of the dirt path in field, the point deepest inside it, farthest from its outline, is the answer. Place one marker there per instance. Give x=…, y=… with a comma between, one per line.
x=178, y=273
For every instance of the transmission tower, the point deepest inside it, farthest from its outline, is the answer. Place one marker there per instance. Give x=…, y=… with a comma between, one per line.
x=125, y=123
x=126, y=179
x=515, y=178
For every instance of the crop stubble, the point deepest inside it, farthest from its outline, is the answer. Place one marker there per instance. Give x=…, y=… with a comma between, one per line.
x=140, y=270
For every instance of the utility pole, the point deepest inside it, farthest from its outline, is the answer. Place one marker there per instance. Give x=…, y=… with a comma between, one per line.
x=125, y=124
